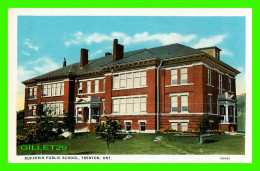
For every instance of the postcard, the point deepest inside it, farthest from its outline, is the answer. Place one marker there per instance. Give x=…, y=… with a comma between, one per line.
x=130, y=85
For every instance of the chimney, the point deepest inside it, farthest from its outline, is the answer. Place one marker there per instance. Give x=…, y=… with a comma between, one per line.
x=212, y=51
x=118, y=51
x=83, y=57
x=108, y=54
x=64, y=62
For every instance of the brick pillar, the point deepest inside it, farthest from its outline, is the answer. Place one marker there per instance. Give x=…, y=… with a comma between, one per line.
x=66, y=95
x=84, y=86
x=179, y=103
x=179, y=76
x=151, y=98
x=162, y=91
x=199, y=86
x=26, y=101
x=108, y=94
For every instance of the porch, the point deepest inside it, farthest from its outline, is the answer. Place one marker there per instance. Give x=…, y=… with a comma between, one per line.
x=227, y=112
x=87, y=113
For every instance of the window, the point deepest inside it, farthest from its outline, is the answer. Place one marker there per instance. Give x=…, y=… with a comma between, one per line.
x=209, y=76
x=88, y=87
x=136, y=104
x=79, y=87
x=122, y=106
x=129, y=105
x=184, y=126
x=96, y=86
x=30, y=93
x=61, y=88
x=128, y=126
x=54, y=89
x=174, y=77
x=31, y=110
x=143, y=78
x=210, y=103
x=184, y=76
x=229, y=84
x=53, y=108
x=129, y=80
x=174, y=126
x=116, y=82
x=220, y=83
x=142, y=126
x=143, y=104
x=174, y=104
x=115, y=105
x=184, y=103
x=104, y=106
x=35, y=92
x=135, y=79
x=122, y=80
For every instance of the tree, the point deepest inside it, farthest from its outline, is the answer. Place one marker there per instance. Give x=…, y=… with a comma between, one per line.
x=47, y=126
x=108, y=131
x=69, y=121
x=203, y=126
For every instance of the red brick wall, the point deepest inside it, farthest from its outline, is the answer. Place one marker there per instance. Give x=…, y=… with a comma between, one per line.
x=108, y=87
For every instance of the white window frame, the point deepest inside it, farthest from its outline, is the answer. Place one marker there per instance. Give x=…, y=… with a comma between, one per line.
x=174, y=74
x=47, y=89
x=35, y=92
x=173, y=124
x=172, y=103
x=182, y=73
x=181, y=126
x=96, y=86
x=55, y=107
x=220, y=83
x=30, y=93
x=88, y=87
x=130, y=100
x=209, y=76
x=79, y=89
x=183, y=102
x=123, y=79
x=140, y=126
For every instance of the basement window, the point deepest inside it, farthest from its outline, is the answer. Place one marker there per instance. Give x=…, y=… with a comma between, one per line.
x=128, y=126
x=142, y=126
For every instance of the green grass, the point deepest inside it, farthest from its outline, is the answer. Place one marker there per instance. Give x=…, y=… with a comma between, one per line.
x=87, y=143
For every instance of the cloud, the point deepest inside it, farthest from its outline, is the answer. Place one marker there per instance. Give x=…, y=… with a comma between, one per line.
x=30, y=45
x=240, y=84
x=43, y=65
x=23, y=74
x=241, y=69
x=26, y=53
x=226, y=52
x=95, y=53
x=163, y=38
x=210, y=41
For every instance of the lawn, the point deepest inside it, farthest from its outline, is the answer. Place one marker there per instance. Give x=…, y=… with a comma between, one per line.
x=88, y=143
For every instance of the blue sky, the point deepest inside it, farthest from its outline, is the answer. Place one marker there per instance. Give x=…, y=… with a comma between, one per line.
x=44, y=41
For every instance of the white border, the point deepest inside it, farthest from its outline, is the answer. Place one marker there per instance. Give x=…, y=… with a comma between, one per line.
x=12, y=70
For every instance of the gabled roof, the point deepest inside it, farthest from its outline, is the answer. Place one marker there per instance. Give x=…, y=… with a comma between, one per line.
x=162, y=52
